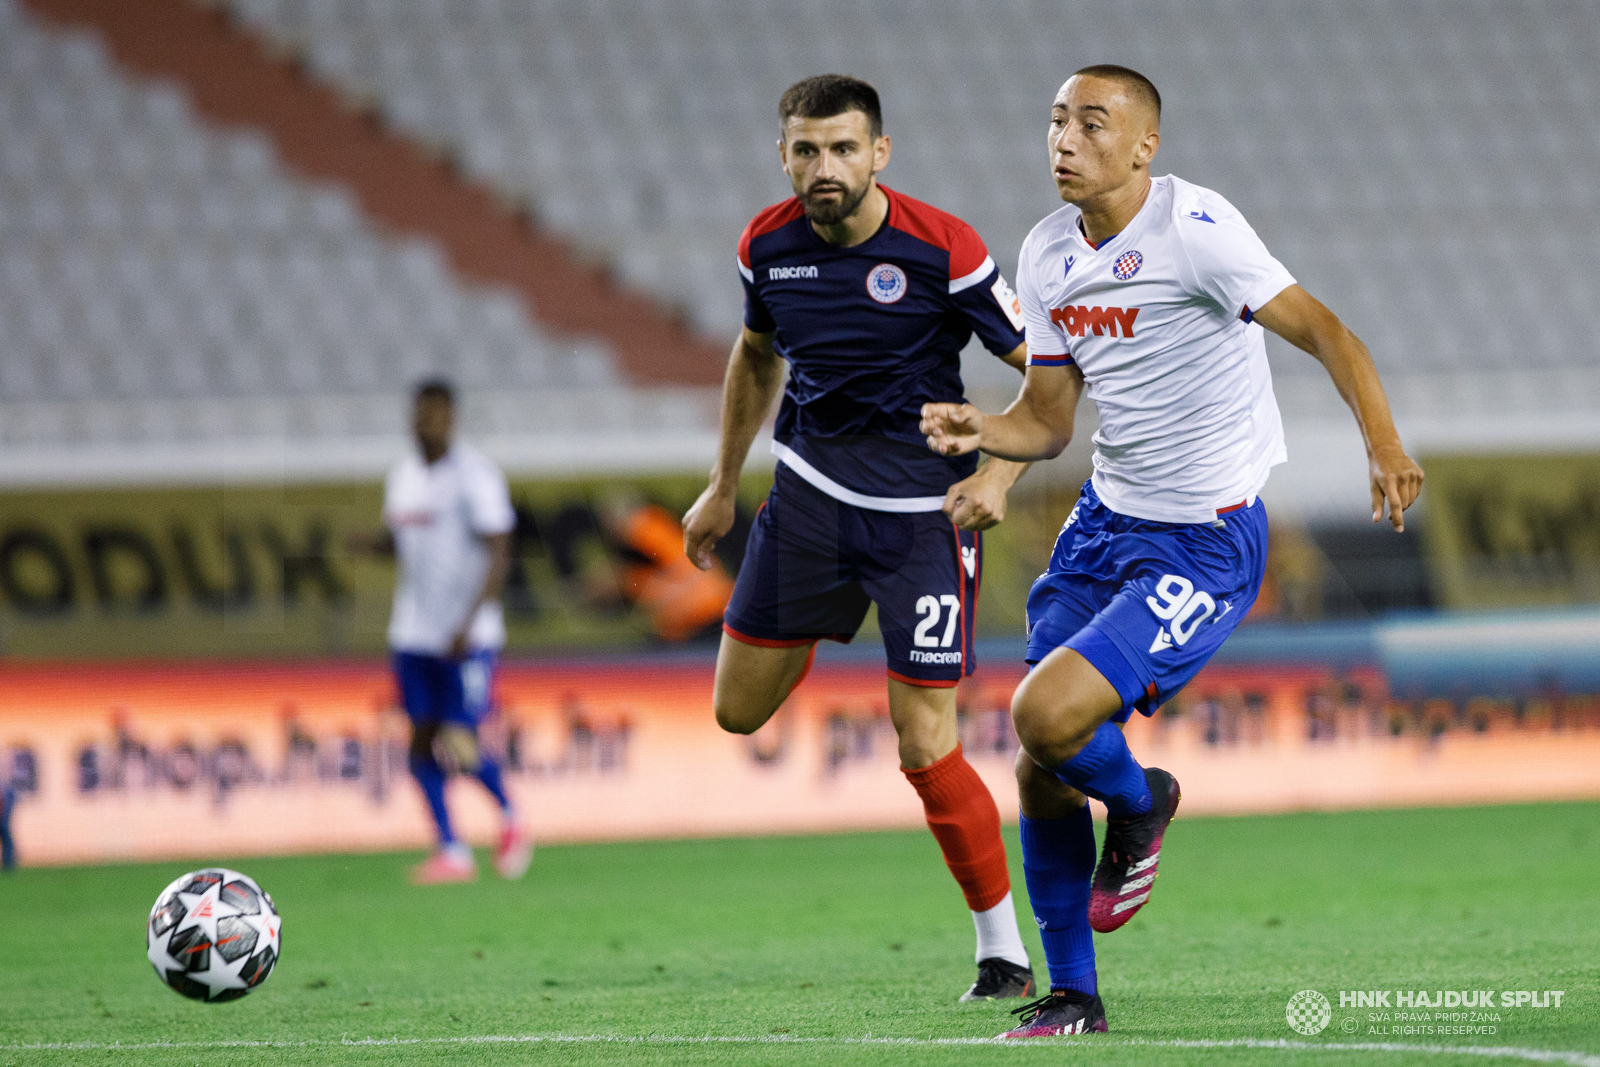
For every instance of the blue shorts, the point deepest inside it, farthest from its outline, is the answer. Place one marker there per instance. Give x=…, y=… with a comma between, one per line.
x=814, y=564
x=438, y=689
x=1148, y=603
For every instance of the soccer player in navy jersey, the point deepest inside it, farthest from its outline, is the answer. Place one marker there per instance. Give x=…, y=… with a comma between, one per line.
x=1152, y=294
x=869, y=296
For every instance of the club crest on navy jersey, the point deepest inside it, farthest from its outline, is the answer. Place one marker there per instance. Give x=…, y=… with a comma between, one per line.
x=874, y=335
x=886, y=283
x=1127, y=265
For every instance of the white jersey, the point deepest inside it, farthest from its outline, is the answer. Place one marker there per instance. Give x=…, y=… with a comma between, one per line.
x=439, y=514
x=1158, y=319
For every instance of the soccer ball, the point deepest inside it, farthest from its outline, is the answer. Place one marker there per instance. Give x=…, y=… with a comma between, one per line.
x=213, y=935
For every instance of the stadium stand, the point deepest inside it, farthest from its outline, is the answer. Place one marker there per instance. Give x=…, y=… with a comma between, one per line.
x=166, y=285
x=1359, y=140
x=646, y=129
x=234, y=78
x=1354, y=137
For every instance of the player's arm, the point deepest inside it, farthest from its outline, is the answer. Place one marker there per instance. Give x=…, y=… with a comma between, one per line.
x=1299, y=318
x=754, y=373
x=494, y=583
x=979, y=502
x=1017, y=358
x=1037, y=425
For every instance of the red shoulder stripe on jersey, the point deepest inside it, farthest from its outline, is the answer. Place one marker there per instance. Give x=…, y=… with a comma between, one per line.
x=767, y=220
x=938, y=228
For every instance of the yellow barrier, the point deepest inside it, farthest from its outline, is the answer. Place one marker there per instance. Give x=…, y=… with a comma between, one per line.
x=262, y=571
x=1514, y=531
x=211, y=571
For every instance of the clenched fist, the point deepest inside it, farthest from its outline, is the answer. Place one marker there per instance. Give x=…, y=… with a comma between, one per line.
x=707, y=523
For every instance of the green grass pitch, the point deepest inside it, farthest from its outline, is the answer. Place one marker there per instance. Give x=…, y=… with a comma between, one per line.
x=810, y=943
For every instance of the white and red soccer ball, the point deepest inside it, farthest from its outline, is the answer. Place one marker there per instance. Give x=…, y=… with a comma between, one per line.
x=213, y=935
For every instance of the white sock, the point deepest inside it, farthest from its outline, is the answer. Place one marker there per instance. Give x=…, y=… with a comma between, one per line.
x=998, y=934
x=458, y=850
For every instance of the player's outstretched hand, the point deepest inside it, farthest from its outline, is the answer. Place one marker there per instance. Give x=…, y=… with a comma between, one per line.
x=952, y=429
x=978, y=502
x=1396, y=481
x=705, y=524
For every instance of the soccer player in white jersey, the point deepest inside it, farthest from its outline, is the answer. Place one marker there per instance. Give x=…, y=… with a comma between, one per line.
x=1152, y=292
x=449, y=520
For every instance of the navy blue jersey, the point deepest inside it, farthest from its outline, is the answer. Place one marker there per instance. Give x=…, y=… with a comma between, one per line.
x=871, y=333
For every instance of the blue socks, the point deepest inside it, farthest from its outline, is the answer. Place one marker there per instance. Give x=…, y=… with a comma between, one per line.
x=1106, y=770
x=1058, y=863
x=488, y=773
x=430, y=776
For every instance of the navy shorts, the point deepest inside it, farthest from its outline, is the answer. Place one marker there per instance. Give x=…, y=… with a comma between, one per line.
x=814, y=564
x=1148, y=603
x=443, y=690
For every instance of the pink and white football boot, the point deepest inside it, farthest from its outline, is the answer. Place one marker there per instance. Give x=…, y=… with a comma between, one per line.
x=511, y=859
x=451, y=863
x=1127, y=869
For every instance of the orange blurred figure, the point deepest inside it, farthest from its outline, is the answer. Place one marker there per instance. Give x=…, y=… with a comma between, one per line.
x=682, y=601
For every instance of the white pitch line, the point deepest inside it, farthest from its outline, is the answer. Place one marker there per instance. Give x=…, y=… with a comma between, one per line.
x=1531, y=1055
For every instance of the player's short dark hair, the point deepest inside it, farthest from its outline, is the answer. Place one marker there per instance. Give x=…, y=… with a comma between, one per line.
x=1132, y=80
x=434, y=389
x=827, y=95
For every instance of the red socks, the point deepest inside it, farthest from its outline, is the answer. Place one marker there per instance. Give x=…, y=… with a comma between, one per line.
x=966, y=823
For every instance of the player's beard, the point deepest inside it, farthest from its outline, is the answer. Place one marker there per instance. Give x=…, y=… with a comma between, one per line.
x=831, y=214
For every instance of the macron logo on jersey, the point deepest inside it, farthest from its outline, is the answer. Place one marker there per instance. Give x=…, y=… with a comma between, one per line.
x=1076, y=320
x=783, y=274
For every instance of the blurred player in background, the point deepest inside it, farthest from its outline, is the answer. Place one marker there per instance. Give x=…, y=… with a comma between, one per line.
x=449, y=518
x=870, y=297
x=1152, y=292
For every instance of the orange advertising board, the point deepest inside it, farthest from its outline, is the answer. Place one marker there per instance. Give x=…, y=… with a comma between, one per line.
x=204, y=761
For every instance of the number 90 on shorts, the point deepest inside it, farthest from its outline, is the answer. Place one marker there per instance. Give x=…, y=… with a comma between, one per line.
x=1183, y=607
x=1146, y=603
